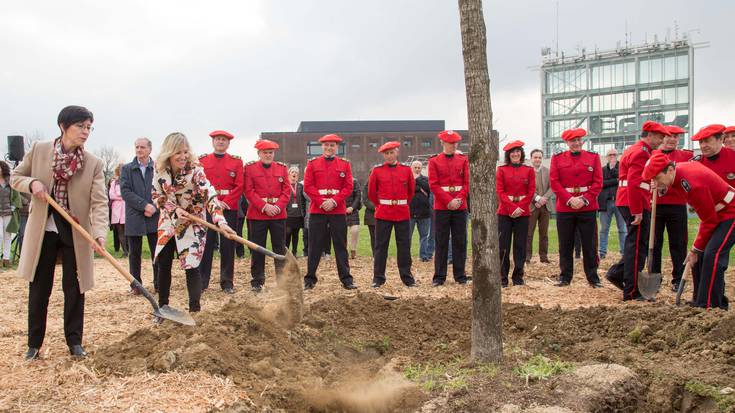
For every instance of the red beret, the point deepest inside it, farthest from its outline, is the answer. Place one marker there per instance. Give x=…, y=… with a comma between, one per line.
x=265, y=144
x=651, y=126
x=512, y=145
x=675, y=130
x=388, y=146
x=450, y=136
x=729, y=129
x=226, y=134
x=707, y=131
x=570, y=134
x=330, y=138
x=655, y=164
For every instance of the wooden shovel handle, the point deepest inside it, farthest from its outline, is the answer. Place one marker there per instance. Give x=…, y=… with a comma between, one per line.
x=241, y=240
x=89, y=238
x=652, y=230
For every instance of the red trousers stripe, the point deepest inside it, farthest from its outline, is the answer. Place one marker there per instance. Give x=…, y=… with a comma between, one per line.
x=714, y=266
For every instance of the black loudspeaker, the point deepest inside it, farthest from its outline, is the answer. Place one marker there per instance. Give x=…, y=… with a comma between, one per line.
x=16, y=150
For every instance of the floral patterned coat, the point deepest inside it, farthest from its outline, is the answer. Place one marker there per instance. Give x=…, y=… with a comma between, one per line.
x=191, y=191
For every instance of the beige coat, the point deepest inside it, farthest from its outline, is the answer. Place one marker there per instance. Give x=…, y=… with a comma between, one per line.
x=87, y=201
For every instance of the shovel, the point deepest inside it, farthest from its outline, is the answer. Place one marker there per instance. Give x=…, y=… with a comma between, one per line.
x=649, y=282
x=164, y=312
x=253, y=246
x=682, y=283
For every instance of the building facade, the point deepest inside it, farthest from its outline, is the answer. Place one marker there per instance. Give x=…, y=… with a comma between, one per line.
x=361, y=140
x=612, y=93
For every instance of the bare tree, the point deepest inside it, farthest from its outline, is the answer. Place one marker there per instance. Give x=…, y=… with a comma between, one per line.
x=31, y=137
x=487, y=334
x=110, y=159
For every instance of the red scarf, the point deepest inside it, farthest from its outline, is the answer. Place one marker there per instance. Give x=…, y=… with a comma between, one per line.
x=65, y=165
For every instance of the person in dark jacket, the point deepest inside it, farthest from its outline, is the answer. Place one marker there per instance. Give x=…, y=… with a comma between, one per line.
x=141, y=215
x=354, y=203
x=295, y=211
x=369, y=218
x=421, y=211
x=606, y=201
x=242, y=210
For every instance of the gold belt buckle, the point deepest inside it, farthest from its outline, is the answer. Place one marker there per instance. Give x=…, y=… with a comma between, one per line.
x=577, y=190
x=452, y=189
x=394, y=202
x=516, y=199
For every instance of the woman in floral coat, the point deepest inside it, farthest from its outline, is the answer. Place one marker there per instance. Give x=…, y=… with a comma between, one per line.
x=181, y=189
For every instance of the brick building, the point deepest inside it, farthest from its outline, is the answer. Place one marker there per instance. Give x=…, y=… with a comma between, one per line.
x=361, y=141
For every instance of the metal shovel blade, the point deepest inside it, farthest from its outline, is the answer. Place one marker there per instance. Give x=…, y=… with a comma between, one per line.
x=648, y=284
x=680, y=290
x=178, y=316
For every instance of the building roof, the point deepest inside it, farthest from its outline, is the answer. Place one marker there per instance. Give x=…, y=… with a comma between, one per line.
x=365, y=126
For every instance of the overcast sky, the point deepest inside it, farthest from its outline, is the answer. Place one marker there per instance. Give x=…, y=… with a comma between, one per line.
x=148, y=68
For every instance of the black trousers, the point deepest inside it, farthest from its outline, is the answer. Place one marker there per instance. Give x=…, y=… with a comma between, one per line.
x=226, y=254
x=122, y=242
x=454, y=223
x=293, y=226
x=322, y=228
x=258, y=230
x=239, y=248
x=135, y=247
x=193, y=278
x=585, y=223
x=515, y=230
x=709, y=270
x=674, y=219
x=625, y=273
x=371, y=231
x=383, y=230
x=43, y=282
x=305, y=239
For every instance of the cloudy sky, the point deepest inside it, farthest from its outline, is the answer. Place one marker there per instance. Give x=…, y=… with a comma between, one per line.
x=148, y=68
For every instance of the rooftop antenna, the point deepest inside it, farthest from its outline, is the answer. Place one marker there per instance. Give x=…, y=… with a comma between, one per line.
x=627, y=44
x=676, y=30
x=557, y=28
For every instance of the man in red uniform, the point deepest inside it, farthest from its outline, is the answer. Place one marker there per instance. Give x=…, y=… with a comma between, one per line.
x=267, y=191
x=712, y=199
x=715, y=155
x=328, y=182
x=671, y=212
x=391, y=187
x=728, y=137
x=224, y=171
x=449, y=181
x=634, y=202
x=576, y=179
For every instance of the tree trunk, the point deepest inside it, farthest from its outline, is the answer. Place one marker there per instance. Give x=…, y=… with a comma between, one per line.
x=487, y=342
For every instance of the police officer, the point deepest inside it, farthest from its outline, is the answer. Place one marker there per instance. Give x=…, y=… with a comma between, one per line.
x=225, y=173
x=634, y=202
x=515, y=184
x=328, y=182
x=267, y=191
x=576, y=179
x=449, y=180
x=671, y=213
x=715, y=155
x=391, y=187
x=712, y=199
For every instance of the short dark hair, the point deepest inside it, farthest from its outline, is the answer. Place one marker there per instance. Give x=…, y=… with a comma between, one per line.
x=5, y=170
x=73, y=114
x=536, y=150
x=507, y=155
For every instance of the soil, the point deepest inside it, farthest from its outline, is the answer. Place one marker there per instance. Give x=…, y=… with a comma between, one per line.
x=352, y=351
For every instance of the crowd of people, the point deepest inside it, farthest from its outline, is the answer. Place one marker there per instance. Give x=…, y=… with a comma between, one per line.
x=162, y=199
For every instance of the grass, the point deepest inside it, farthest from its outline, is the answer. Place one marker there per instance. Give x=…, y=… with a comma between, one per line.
x=539, y=367
x=452, y=375
x=725, y=402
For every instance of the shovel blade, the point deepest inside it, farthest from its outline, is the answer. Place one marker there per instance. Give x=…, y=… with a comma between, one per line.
x=649, y=284
x=177, y=316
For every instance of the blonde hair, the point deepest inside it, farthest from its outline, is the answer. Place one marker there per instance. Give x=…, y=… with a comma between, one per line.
x=173, y=143
x=117, y=170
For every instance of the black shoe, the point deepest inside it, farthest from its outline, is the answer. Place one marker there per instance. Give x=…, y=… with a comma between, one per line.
x=257, y=289
x=228, y=290
x=545, y=261
x=465, y=280
x=562, y=283
x=411, y=284
x=308, y=285
x=76, y=350
x=519, y=282
x=349, y=286
x=375, y=284
x=616, y=283
x=437, y=283
x=32, y=354
x=596, y=284
x=675, y=287
x=504, y=284
x=602, y=256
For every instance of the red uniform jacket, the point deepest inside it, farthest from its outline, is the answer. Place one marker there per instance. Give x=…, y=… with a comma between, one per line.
x=632, y=191
x=225, y=175
x=516, y=186
x=674, y=195
x=325, y=179
x=723, y=164
x=709, y=195
x=573, y=175
x=449, y=178
x=390, y=188
x=266, y=186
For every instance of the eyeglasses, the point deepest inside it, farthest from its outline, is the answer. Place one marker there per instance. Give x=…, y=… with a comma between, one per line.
x=82, y=127
x=612, y=154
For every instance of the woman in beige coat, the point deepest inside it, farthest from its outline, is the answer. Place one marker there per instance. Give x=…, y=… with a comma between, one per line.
x=74, y=179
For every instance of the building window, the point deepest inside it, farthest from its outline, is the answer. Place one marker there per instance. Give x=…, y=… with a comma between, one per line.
x=426, y=143
x=355, y=146
x=314, y=148
x=407, y=143
x=374, y=144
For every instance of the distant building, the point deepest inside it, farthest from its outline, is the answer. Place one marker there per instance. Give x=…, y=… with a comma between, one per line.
x=611, y=93
x=361, y=141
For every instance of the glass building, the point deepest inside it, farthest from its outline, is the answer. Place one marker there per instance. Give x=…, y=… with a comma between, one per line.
x=611, y=94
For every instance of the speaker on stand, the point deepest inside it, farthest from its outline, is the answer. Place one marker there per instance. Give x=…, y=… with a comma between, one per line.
x=16, y=149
